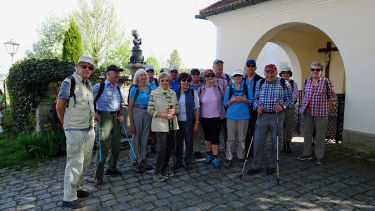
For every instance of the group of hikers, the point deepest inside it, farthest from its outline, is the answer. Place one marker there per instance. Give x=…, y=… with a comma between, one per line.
x=177, y=110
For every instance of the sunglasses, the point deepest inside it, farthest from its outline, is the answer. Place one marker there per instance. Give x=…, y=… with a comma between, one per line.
x=210, y=75
x=250, y=65
x=164, y=80
x=184, y=80
x=238, y=75
x=312, y=69
x=151, y=71
x=85, y=66
x=195, y=74
x=173, y=71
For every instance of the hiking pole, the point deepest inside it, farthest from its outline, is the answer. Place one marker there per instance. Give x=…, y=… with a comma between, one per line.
x=100, y=148
x=277, y=149
x=131, y=147
x=247, y=157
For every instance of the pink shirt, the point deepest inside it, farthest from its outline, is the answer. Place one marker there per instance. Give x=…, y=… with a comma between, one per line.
x=209, y=105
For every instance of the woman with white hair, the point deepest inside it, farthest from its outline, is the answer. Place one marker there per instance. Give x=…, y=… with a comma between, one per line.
x=163, y=106
x=139, y=119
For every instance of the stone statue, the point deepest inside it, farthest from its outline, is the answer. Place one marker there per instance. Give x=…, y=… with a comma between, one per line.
x=137, y=56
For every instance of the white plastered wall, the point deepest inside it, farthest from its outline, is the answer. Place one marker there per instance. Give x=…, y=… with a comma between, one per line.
x=346, y=22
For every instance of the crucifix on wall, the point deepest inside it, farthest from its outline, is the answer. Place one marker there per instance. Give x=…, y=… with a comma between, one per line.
x=326, y=51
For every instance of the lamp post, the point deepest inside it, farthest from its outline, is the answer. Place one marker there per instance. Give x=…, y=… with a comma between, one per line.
x=11, y=46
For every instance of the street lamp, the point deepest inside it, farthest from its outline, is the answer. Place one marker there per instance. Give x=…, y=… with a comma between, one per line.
x=11, y=46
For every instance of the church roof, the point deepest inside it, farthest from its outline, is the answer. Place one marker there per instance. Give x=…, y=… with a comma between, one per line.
x=225, y=6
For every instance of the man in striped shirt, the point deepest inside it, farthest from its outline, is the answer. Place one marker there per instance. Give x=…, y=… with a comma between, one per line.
x=318, y=100
x=272, y=96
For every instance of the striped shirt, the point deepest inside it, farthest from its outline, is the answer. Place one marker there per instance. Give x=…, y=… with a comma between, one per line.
x=271, y=94
x=221, y=82
x=110, y=99
x=316, y=97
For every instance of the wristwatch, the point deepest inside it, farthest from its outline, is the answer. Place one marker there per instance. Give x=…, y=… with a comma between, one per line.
x=284, y=107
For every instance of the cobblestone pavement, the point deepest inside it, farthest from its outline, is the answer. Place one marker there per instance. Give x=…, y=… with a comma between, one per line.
x=344, y=182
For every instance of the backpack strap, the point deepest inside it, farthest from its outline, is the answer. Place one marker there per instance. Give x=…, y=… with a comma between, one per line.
x=72, y=88
x=292, y=84
x=156, y=82
x=326, y=84
x=100, y=92
x=245, y=90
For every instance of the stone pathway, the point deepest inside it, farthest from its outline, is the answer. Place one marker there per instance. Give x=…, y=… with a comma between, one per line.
x=345, y=182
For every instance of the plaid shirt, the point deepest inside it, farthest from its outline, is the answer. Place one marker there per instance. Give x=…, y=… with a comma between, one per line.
x=271, y=94
x=221, y=82
x=317, y=97
x=110, y=100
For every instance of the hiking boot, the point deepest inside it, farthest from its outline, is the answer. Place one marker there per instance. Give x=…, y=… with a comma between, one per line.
x=208, y=159
x=134, y=163
x=228, y=163
x=146, y=165
x=216, y=163
x=319, y=161
x=188, y=166
x=113, y=172
x=99, y=182
x=177, y=166
x=138, y=169
x=270, y=171
x=72, y=204
x=252, y=171
x=198, y=155
x=303, y=157
x=82, y=194
x=158, y=178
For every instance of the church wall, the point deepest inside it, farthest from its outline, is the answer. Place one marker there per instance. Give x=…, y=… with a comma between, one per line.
x=346, y=22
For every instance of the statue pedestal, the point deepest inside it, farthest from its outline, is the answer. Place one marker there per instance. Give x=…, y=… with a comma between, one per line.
x=134, y=67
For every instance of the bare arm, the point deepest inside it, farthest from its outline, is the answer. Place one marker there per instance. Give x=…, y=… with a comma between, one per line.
x=60, y=109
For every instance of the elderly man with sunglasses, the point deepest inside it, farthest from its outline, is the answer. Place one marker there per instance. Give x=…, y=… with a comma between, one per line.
x=318, y=99
x=76, y=113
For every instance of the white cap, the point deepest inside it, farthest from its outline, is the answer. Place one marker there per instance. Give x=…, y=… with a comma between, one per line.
x=286, y=69
x=86, y=59
x=173, y=67
x=149, y=67
x=164, y=70
x=236, y=71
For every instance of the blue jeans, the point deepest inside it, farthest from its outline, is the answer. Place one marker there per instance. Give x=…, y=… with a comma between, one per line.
x=185, y=133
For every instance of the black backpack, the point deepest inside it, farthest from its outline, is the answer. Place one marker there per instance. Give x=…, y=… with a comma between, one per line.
x=100, y=92
x=53, y=110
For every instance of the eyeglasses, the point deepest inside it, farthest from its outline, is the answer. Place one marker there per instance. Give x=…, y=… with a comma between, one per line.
x=312, y=69
x=184, y=80
x=85, y=66
x=237, y=75
x=210, y=75
x=164, y=80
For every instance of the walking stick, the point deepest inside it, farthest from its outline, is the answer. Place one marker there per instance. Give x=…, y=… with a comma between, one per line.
x=100, y=148
x=247, y=157
x=131, y=147
x=277, y=149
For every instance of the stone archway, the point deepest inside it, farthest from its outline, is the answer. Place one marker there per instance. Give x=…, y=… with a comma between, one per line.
x=301, y=42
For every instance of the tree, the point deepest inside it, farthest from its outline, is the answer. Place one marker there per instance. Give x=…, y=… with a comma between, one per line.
x=72, y=46
x=51, y=36
x=174, y=59
x=120, y=56
x=154, y=62
x=100, y=29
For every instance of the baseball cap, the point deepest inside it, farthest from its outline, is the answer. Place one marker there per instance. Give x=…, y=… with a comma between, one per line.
x=236, y=71
x=208, y=71
x=217, y=61
x=194, y=70
x=86, y=59
x=114, y=68
x=270, y=67
x=173, y=67
x=149, y=67
x=251, y=62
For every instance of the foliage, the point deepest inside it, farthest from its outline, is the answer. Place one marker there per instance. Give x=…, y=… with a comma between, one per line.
x=154, y=62
x=25, y=146
x=97, y=19
x=51, y=36
x=120, y=56
x=174, y=59
x=72, y=46
x=27, y=82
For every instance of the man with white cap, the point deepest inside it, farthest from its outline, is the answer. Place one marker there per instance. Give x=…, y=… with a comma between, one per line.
x=173, y=72
x=75, y=109
x=289, y=122
x=152, y=82
x=237, y=99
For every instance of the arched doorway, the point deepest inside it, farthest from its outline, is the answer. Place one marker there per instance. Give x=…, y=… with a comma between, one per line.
x=304, y=44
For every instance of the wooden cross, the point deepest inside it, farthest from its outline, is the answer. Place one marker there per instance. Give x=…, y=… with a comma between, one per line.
x=328, y=50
